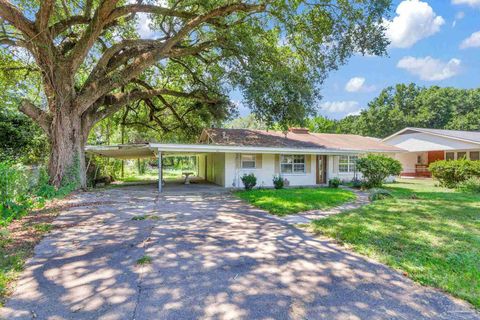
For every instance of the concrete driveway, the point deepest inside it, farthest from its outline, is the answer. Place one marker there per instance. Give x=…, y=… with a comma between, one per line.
x=213, y=257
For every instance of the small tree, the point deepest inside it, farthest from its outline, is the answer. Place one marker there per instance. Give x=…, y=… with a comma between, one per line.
x=249, y=181
x=376, y=168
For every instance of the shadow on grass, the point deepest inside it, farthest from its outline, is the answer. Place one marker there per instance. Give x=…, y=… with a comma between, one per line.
x=434, y=239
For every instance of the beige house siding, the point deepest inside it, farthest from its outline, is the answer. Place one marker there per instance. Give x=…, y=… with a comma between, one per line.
x=225, y=169
x=267, y=166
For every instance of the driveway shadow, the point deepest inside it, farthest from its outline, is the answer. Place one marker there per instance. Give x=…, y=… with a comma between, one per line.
x=213, y=257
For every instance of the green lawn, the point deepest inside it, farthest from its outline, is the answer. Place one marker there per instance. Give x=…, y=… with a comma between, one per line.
x=287, y=201
x=431, y=233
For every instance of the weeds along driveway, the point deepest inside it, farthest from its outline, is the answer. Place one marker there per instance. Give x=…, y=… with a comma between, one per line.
x=212, y=257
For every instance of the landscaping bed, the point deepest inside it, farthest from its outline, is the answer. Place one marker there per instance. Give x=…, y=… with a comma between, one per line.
x=431, y=234
x=294, y=200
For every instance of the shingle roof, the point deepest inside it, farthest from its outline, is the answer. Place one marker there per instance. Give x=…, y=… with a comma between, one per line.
x=473, y=136
x=262, y=138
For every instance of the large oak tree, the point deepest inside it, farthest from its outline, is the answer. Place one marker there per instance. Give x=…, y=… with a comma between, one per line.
x=91, y=60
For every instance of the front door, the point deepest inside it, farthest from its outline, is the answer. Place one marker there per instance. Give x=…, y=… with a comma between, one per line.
x=321, y=169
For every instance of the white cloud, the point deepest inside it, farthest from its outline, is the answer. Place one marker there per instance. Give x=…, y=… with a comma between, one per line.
x=430, y=69
x=471, y=42
x=357, y=84
x=355, y=113
x=458, y=16
x=415, y=20
x=143, y=26
x=339, y=106
x=472, y=3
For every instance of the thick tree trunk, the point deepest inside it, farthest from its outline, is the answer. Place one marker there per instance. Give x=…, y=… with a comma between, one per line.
x=67, y=156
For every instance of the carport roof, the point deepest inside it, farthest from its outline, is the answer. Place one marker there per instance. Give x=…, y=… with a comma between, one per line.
x=125, y=151
x=150, y=150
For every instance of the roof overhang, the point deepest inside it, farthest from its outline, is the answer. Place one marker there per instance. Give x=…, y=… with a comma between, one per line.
x=419, y=130
x=212, y=148
x=132, y=151
x=152, y=149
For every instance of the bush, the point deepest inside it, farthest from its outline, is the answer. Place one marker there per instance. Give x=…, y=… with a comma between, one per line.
x=376, y=168
x=334, y=182
x=356, y=183
x=249, y=181
x=472, y=185
x=379, y=194
x=14, y=187
x=278, y=182
x=450, y=173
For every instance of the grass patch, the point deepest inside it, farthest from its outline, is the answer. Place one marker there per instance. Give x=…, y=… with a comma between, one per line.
x=288, y=201
x=43, y=227
x=430, y=233
x=144, y=260
x=17, y=242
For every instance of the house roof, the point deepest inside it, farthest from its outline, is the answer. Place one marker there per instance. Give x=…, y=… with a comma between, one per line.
x=468, y=136
x=294, y=139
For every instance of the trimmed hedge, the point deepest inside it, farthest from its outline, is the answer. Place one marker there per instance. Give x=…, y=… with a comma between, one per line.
x=450, y=173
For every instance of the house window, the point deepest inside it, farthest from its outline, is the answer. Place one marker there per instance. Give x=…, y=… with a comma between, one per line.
x=474, y=155
x=248, y=161
x=347, y=164
x=449, y=155
x=461, y=155
x=292, y=164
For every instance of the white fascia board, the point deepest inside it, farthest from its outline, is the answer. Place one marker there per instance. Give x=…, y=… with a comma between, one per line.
x=242, y=149
x=430, y=133
x=397, y=133
x=116, y=147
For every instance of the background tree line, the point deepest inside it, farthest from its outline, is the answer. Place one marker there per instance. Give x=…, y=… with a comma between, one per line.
x=409, y=105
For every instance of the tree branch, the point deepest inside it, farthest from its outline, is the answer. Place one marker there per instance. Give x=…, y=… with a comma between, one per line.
x=92, y=32
x=102, y=86
x=42, y=118
x=63, y=25
x=14, y=16
x=43, y=15
x=145, y=8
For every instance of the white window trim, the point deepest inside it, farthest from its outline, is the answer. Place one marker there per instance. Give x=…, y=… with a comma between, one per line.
x=254, y=161
x=293, y=164
x=349, y=164
x=455, y=153
x=469, y=154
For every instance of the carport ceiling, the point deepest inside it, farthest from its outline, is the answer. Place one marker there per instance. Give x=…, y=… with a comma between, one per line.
x=131, y=151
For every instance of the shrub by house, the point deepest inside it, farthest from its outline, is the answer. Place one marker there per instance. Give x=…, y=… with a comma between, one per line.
x=450, y=173
x=376, y=168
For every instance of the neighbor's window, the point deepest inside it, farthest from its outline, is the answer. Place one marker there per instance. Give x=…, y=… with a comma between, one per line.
x=292, y=164
x=461, y=155
x=474, y=155
x=449, y=155
x=248, y=161
x=347, y=164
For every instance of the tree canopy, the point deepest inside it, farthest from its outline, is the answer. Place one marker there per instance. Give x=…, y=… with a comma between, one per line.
x=91, y=62
x=409, y=105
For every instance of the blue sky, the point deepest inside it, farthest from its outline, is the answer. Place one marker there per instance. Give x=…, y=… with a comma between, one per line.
x=433, y=43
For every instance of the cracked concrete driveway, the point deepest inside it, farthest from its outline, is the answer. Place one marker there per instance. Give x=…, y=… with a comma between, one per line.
x=213, y=257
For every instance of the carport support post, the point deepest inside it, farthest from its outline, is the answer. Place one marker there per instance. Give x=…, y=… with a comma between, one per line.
x=160, y=171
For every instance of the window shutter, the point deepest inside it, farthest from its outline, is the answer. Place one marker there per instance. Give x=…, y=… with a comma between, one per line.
x=277, y=164
x=258, y=160
x=238, y=161
x=335, y=160
x=308, y=163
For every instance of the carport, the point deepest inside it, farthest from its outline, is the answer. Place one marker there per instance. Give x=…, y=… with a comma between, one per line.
x=206, y=160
